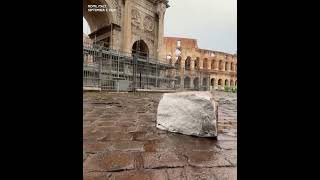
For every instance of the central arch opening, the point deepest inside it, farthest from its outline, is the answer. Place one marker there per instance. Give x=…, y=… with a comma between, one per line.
x=140, y=49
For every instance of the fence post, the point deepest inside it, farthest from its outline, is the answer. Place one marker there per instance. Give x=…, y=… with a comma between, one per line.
x=157, y=74
x=134, y=73
x=118, y=72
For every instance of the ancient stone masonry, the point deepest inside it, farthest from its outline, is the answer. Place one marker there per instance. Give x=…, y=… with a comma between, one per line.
x=191, y=113
x=218, y=69
x=137, y=26
x=127, y=22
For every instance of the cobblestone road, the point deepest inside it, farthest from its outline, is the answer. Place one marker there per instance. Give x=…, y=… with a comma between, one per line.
x=121, y=142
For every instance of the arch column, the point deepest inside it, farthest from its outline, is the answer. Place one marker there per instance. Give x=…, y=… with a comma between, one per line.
x=226, y=65
x=191, y=82
x=223, y=66
x=183, y=61
x=182, y=81
x=216, y=84
x=209, y=64
x=192, y=64
x=127, y=26
x=161, y=9
x=200, y=63
x=232, y=67
x=216, y=65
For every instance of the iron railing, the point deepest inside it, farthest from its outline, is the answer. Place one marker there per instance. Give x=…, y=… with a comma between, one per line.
x=109, y=69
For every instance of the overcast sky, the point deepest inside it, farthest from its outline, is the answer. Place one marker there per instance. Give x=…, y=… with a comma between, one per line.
x=212, y=22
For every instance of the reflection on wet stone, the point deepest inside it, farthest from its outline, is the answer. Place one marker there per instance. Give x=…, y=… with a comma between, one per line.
x=120, y=141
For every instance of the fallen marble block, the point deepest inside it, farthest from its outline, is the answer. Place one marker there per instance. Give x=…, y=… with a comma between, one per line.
x=191, y=113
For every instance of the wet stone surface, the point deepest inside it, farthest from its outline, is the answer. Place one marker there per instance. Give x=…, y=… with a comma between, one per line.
x=120, y=141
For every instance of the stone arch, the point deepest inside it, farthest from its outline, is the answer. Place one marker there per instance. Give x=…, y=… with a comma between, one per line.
x=205, y=63
x=226, y=66
x=220, y=65
x=187, y=81
x=187, y=63
x=197, y=63
x=213, y=64
x=148, y=43
x=97, y=20
x=226, y=82
x=196, y=82
x=212, y=82
x=232, y=66
x=220, y=84
x=140, y=48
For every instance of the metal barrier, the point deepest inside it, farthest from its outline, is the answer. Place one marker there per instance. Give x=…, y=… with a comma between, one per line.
x=113, y=70
x=110, y=69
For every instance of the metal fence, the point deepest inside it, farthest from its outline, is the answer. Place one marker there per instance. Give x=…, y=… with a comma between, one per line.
x=112, y=70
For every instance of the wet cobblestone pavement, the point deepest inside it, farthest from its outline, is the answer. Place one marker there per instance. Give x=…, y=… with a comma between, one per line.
x=120, y=141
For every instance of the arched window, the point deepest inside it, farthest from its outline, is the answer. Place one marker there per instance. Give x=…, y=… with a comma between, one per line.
x=205, y=63
x=188, y=63
x=197, y=63
x=226, y=82
x=212, y=82
x=177, y=64
x=213, y=63
x=220, y=65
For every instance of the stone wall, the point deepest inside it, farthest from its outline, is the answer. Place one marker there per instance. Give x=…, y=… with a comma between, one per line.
x=193, y=60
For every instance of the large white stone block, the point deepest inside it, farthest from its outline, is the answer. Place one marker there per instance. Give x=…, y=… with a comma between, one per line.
x=191, y=113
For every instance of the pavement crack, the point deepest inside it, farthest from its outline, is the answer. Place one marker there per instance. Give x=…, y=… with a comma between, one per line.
x=231, y=164
x=165, y=167
x=115, y=170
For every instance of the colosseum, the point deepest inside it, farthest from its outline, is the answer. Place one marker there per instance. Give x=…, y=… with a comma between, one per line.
x=192, y=63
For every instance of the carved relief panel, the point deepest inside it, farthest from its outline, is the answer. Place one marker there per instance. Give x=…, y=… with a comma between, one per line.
x=136, y=18
x=148, y=23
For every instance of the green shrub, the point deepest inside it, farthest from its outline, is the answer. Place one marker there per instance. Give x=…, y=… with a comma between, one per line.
x=234, y=89
x=227, y=88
